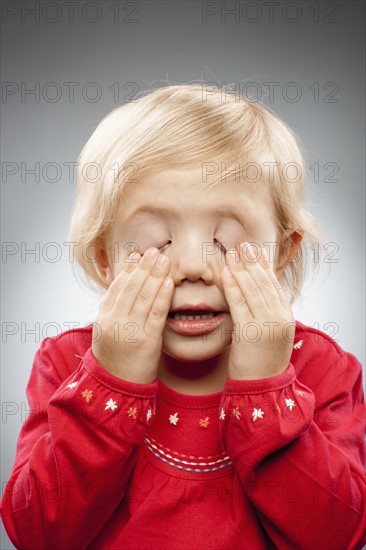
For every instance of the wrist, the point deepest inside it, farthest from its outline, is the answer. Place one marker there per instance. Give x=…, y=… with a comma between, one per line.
x=244, y=373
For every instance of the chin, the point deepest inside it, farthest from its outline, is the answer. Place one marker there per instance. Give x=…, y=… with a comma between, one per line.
x=193, y=351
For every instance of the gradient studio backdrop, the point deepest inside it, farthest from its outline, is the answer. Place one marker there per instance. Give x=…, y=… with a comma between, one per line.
x=305, y=57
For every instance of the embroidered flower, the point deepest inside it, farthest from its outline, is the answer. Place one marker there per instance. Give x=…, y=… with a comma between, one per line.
x=173, y=418
x=204, y=422
x=72, y=385
x=257, y=413
x=290, y=403
x=148, y=414
x=222, y=414
x=237, y=413
x=110, y=405
x=132, y=412
x=87, y=394
x=298, y=344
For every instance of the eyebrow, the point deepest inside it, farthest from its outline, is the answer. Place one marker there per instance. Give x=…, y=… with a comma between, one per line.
x=163, y=211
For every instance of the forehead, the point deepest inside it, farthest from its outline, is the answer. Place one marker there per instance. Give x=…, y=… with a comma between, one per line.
x=181, y=193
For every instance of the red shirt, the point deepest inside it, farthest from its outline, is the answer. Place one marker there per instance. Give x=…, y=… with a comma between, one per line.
x=106, y=463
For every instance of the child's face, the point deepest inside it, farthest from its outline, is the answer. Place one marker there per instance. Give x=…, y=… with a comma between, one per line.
x=191, y=222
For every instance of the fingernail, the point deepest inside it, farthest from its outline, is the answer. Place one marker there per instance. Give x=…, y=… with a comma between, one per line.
x=133, y=258
x=250, y=252
x=162, y=260
x=233, y=255
x=150, y=253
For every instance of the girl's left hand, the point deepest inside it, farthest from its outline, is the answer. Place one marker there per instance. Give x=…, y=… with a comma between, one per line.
x=264, y=325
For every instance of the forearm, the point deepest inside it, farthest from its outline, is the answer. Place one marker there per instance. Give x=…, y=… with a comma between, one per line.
x=307, y=488
x=80, y=461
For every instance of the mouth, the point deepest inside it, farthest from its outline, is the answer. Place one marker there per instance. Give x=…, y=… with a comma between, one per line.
x=193, y=315
x=186, y=322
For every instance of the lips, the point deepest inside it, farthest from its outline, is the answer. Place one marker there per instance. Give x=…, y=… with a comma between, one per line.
x=194, y=325
x=195, y=319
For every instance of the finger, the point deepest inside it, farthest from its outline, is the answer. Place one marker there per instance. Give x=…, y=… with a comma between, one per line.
x=275, y=282
x=158, y=313
x=132, y=286
x=252, y=262
x=248, y=286
x=118, y=282
x=145, y=299
x=239, y=309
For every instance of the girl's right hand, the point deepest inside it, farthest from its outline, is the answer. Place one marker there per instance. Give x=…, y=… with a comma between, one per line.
x=128, y=333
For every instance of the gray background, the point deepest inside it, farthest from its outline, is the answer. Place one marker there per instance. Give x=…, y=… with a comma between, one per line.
x=169, y=42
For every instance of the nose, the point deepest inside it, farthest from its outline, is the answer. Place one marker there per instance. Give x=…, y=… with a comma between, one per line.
x=194, y=260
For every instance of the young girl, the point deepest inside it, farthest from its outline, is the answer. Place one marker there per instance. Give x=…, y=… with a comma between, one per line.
x=195, y=412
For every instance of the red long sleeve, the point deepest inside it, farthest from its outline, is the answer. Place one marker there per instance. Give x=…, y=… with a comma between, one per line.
x=299, y=453
x=76, y=451
x=104, y=463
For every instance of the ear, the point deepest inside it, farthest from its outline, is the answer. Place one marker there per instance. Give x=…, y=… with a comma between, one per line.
x=289, y=246
x=103, y=263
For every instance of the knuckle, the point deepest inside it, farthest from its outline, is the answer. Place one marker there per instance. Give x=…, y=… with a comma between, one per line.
x=240, y=301
x=129, y=287
x=252, y=288
x=157, y=314
x=144, y=297
x=265, y=282
x=116, y=285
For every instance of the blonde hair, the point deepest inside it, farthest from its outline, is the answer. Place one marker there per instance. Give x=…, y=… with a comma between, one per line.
x=182, y=126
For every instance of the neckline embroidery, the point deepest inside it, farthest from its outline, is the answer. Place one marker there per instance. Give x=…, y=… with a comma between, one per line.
x=189, y=463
